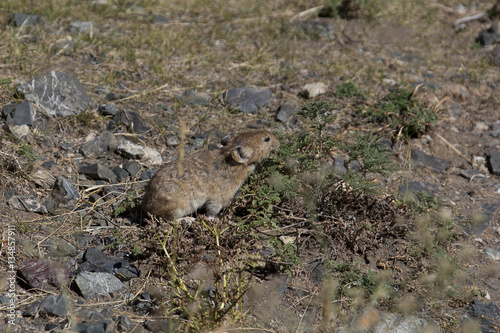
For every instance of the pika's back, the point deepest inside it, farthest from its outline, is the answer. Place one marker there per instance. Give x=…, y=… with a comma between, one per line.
x=207, y=180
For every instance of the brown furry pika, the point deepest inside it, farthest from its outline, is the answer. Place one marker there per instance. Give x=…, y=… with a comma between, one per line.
x=208, y=180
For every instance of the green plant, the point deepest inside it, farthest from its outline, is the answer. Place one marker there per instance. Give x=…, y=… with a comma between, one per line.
x=373, y=157
x=129, y=203
x=402, y=113
x=26, y=150
x=319, y=113
x=348, y=89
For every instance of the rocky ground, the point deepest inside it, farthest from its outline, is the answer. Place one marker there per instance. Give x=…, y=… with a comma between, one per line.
x=96, y=96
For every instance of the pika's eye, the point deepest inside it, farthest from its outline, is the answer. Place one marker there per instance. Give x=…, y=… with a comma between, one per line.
x=267, y=139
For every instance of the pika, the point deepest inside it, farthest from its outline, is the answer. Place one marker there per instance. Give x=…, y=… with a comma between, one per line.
x=208, y=180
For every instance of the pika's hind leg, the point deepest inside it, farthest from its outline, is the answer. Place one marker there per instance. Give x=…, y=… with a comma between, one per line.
x=212, y=208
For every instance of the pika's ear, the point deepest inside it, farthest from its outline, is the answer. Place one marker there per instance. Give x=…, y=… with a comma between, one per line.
x=242, y=154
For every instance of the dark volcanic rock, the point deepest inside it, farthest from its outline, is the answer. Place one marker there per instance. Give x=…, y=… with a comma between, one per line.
x=20, y=114
x=483, y=222
x=56, y=94
x=98, y=172
x=95, y=327
x=247, y=99
x=131, y=120
x=39, y=273
x=53, y=305
x=411, y=189
x=20, y=19
x=124, y=323
x=63, y=192
x=93, y=258
x=421, y=159
x=108, y=109
x=494, y=161
x=132, y=167
x=490, y=36
x=102, y=143
x=97, y=261
x=284, y=112
x=121, y=174
x=487, y=314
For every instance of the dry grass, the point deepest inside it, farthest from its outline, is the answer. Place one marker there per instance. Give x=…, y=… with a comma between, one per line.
x=215, y=45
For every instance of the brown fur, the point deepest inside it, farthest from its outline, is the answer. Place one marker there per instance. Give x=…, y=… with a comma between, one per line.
x=209, y=179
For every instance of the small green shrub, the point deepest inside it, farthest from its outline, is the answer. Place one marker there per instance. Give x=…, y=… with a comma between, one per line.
x=403, y=114
x=373, y=158
x=348, y=89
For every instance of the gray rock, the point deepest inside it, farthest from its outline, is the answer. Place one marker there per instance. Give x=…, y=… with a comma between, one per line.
x=483, y=219
x=19, y=131
x=130, y=120
x=121, y=174
x=421, y=159
x=97, y=261
x=32, y=309
x=486, y=314
x=28, y=203
x=97, y=284
x=106, y=326
x=98, y=172
x=109, y=109
x=124, y=323
x=247, y=99
x=103, y=143
x=192, y=97
x=131, y=150
x=490, y=36
x=43, y=178
x=53, y=305
x=492, y=254
x=40, y=273
x=311, y=90
x=472, y=174
x=63, y=192
x=20, y=19
x=173, y=140
x=65, y=189
x=494, y=161
x=92, y=259
x=56, y=94
x=410, y=190
x=79, y=27
x=132, y=167
x=22, y=114
x=284, y=112
x=339, y=166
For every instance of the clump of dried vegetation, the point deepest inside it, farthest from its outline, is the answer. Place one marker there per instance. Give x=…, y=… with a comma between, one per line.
x=373, y=248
